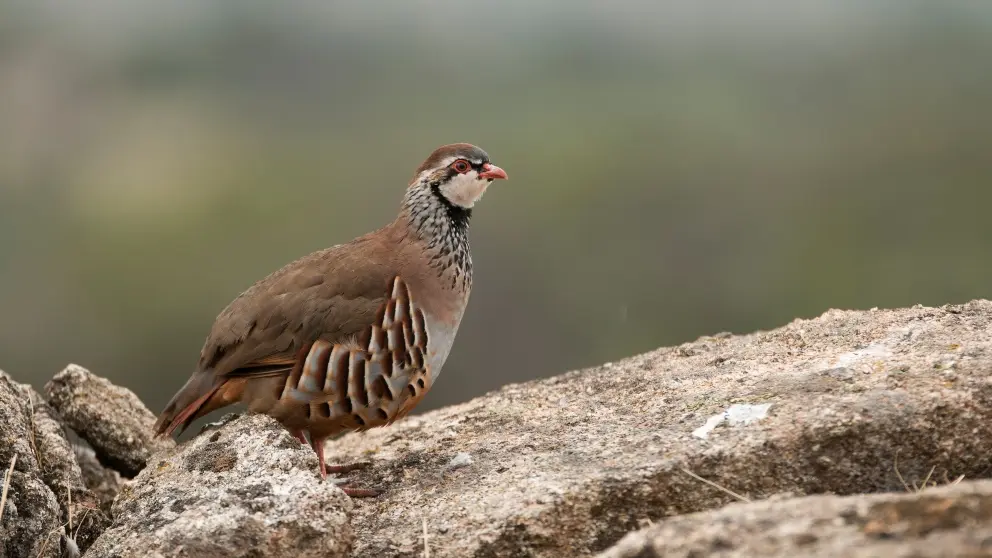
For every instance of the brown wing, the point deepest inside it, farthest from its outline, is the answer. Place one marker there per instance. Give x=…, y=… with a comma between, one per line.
x=369, y=382
x=265, y=326
x=331, y=294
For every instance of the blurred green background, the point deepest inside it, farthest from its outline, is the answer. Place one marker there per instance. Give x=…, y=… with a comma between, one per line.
x=676, y=168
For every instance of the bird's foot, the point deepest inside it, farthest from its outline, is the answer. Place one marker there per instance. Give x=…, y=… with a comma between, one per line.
x=355, y=492
x=342, y=483
x=348, y=467
x=318, y=448
x=298, y=434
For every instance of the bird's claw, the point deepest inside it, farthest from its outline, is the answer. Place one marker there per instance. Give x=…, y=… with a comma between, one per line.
x=348, y=467
x=342, y=482
x=361, y=492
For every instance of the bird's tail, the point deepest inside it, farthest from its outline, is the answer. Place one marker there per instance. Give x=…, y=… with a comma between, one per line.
x=202, y=394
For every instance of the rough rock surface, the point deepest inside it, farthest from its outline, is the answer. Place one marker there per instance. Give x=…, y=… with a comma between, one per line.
x=245, y=489
x=847, y=403
x=38, y=509
x=937, y=523
x=103, y=482
x=112, y=419
x=567, y=466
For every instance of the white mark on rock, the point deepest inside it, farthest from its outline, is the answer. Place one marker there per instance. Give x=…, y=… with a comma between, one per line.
x=875, y=350
x=738, y=415
x=460, y=460
x=735, y=415
x=711, y=423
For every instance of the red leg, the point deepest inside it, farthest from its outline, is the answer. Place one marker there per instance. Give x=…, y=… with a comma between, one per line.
x=318, y=447
x=298, y=434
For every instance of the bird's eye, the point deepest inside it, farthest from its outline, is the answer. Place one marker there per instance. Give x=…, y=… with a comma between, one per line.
x=461, y=166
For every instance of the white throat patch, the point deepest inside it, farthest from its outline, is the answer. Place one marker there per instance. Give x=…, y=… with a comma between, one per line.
x=464, y=190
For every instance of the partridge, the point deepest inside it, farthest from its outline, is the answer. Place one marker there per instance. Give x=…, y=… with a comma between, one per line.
x=353, y=336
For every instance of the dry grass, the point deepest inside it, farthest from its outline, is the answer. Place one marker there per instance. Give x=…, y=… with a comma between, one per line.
x=34, y=447
x=75, y=535
x=48, y=539
x=427, y=549
x=927, y=482
x=715, y=485
x=6, y=485
x=70, y=535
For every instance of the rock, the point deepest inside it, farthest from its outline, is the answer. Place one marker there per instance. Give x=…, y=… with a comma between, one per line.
x=37, y=511
x=568, y=465
x=245, y=489
x=61, y=473
x=938, y=522
x=110, y=418
x=103, y=482
x=847, y=403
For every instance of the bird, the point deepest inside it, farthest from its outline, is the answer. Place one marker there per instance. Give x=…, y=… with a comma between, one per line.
x=353, y=336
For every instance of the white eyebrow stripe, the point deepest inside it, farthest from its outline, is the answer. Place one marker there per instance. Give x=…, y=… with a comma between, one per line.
x=448, y=160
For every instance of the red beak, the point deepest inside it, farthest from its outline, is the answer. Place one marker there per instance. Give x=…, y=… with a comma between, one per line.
x=492, y=172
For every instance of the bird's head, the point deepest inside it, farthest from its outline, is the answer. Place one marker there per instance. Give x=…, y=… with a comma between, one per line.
x=459, y=173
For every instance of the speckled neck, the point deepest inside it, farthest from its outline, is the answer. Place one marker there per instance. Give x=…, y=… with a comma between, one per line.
x=443, y=227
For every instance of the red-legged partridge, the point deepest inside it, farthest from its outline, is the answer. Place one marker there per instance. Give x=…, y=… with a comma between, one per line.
x=353, y=336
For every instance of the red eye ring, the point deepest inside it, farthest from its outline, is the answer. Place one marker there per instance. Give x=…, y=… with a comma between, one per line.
x=461, y=166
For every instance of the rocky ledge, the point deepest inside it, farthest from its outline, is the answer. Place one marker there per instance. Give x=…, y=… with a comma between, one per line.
x=927, y=523
x=858, y=433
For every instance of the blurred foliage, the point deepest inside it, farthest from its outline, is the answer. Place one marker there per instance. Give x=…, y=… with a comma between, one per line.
x=676, y=169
